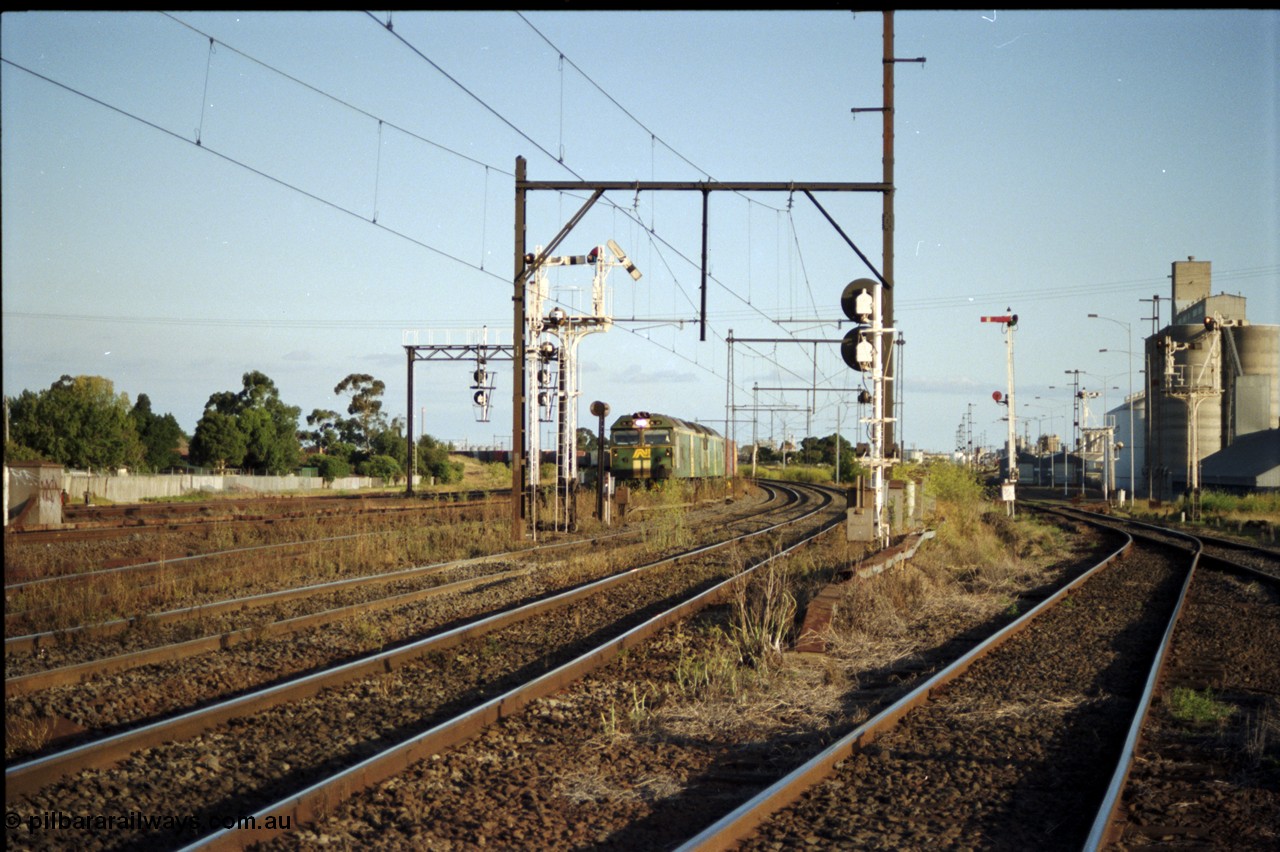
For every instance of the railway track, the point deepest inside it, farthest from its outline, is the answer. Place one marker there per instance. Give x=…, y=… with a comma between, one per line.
x=376, y=699
x=164, y=642
x=624, y=759
x=1013, y=745
x=158, y=532
x=39, y=653
x=210, y=570
x=1000, y=744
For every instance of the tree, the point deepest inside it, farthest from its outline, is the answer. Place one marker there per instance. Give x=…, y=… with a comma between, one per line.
x=324, y=432
x=390, y=442
x=218, y=441
x=333, y=467
x=161, y=435
x=365, y=407
x=433, y=460
x=268, y=427
x=382, y=467
x=80, y=422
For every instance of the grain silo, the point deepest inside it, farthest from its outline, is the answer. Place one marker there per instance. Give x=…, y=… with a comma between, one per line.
x=1214, y=378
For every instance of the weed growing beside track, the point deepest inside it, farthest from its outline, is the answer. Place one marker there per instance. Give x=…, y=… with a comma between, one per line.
x=736, y=676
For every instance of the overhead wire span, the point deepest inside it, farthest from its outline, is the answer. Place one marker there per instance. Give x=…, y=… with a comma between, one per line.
x=655, y=238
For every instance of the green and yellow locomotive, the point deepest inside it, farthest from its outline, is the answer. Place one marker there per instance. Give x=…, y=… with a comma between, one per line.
x=646, y=446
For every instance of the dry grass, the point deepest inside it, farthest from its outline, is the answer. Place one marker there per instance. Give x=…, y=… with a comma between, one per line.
x=25, y=736
x=1054, y=709
x=1261, y=735
x=356, y=546
x=736, y=684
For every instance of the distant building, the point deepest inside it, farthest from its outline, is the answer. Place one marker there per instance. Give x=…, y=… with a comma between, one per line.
x=1213, y=381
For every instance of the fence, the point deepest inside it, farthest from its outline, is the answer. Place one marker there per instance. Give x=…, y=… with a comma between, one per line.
x=134, y=488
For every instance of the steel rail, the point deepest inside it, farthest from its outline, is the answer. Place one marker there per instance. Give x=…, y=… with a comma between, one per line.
x=31, y=642
x=1108, y=823
x=105, y=530
x=739, y=824
x=163, y=563
x=32, y=775
x=81, y=672
x=322, y=797
x=1265, y=553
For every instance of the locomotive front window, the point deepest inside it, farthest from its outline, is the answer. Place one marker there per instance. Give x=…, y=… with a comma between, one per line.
x=654, y=437
x=626, y=438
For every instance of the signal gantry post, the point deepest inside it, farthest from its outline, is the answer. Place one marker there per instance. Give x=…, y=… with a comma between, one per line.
x=527, y=264
x=481, y=353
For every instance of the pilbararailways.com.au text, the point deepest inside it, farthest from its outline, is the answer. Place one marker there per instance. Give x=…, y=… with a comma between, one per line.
x=137, y=821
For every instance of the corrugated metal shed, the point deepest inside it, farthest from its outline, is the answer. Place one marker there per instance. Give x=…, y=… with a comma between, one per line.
x=1252, y=463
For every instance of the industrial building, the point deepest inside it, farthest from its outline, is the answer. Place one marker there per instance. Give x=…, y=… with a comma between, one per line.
x=1210, y=411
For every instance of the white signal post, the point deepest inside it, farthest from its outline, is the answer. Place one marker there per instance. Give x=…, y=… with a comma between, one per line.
x=1009, y=323
x=878, y=459
x=568, y=329
x=862, y=349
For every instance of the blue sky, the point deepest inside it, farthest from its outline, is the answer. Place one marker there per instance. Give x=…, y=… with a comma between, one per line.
x=353, y=182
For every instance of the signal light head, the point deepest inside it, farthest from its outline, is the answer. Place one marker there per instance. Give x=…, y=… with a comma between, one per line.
x=857, y=301
x=856, y=349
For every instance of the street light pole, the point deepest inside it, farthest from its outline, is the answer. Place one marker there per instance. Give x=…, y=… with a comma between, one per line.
x=1128, y=330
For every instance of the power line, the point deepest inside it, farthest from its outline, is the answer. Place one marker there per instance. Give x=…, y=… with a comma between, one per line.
x=371, y=220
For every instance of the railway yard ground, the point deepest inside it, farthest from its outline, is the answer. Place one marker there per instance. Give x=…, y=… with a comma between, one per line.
x=391, y=672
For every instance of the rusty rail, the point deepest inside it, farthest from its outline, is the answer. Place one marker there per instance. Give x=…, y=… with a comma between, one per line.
x=32, y=775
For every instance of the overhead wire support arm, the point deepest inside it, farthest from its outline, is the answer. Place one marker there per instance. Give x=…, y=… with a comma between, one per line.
x=847, y=239
x=526, y=265
x=702, y=186
x=564, y=232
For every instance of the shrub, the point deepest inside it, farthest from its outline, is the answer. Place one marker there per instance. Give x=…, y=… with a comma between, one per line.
x=333, y=467
x=381, y=467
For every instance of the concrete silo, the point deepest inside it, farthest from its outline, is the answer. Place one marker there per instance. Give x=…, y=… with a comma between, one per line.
x=1213, y=377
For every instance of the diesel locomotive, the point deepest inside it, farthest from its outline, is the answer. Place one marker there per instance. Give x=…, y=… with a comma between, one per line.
x=648, y=447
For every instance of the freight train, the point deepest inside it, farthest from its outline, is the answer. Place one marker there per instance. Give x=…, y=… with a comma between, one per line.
x=648, y=447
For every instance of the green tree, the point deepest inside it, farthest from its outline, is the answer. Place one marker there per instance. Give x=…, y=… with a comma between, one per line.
x=850, y=467
x=218, y=441
x=391, y=442
x=324, y=429
x=433, y=460
x=161, y=435
x=80, y=422
x=333, y=467
x=365, y=407
x=268, y=426
x=342, y=450
x=382, y=467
